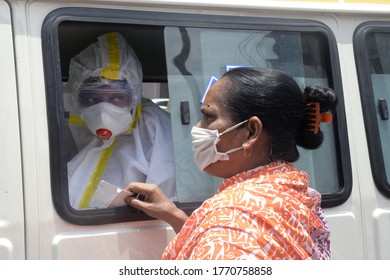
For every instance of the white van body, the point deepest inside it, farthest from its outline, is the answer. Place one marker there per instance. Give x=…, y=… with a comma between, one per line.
x=31, y=227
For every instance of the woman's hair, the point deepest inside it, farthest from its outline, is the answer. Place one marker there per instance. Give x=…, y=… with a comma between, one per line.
x=277, y=100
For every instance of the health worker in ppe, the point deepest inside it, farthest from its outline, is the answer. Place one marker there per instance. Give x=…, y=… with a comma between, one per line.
x=120, y=136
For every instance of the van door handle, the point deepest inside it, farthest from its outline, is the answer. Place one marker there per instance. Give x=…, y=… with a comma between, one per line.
x=185, y=112
x=383, y=109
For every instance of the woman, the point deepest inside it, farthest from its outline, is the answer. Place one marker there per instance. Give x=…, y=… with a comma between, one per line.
x=252, y=121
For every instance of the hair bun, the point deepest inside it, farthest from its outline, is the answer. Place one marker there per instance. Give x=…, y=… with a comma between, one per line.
x=325, y=96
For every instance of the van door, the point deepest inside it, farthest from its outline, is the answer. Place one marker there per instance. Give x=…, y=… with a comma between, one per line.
x=12, y=244
x=371, y=46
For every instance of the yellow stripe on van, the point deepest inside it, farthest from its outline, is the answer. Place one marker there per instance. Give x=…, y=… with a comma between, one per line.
x=112, y=70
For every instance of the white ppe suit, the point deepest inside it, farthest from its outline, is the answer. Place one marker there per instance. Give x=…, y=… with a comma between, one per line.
x=143, y=153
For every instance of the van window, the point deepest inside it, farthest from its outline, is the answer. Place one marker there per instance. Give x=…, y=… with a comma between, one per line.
x=372, y=44
x=179, y=55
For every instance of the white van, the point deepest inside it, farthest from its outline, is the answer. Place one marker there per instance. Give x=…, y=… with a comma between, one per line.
x=344, y=44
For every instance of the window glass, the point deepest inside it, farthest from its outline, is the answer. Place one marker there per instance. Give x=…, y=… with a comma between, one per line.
x=208, y=52
x=373, y=41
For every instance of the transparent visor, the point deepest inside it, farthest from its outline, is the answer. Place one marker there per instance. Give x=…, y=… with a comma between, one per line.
x=117, y=93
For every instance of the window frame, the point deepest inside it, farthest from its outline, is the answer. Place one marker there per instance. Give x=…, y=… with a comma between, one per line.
x=55, y=107
x=368, y=103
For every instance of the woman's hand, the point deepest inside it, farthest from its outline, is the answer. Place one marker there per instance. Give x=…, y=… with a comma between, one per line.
x=151, y=200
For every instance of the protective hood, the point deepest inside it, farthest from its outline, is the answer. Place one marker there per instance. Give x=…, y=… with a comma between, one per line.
x=109, y=58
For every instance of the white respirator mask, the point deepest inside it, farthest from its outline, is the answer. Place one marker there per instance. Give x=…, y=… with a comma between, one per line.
x=106, y=120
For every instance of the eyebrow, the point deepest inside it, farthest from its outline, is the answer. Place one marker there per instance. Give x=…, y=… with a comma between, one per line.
x=205, y=109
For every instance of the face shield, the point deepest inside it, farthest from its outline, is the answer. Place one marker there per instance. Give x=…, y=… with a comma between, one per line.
x=95, y=91
x=109, y=67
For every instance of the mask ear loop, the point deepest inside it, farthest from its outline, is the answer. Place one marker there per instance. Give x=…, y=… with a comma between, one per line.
x=233, y=127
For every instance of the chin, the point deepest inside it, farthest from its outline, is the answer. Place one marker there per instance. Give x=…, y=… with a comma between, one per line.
x=217, y=169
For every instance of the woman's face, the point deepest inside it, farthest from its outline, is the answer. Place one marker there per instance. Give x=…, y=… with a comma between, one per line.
x=216, y=117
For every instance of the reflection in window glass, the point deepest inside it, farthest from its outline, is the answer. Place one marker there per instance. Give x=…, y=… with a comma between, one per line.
x=193, y=55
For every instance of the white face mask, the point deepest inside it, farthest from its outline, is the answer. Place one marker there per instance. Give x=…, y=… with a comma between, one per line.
x=106, y=120
x=204, y=142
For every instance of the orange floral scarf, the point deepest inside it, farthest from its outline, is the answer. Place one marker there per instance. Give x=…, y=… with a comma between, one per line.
x=265, y=213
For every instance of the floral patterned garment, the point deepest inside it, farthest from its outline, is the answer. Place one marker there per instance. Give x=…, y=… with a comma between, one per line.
x=265, y=213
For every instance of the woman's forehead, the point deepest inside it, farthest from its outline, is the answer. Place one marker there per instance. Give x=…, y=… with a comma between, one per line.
x=214, y=93
x=213, y=101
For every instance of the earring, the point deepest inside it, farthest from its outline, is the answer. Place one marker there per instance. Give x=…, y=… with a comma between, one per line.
x=247, y=149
